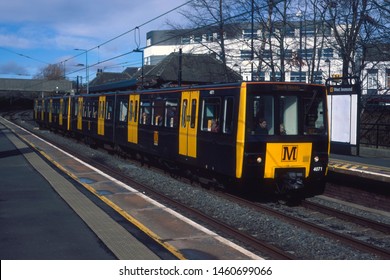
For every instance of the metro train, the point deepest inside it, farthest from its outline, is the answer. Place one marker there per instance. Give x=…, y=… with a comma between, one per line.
x=268, y=136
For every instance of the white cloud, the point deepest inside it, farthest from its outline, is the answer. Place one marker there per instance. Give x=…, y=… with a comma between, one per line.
x=48, y=30
x=13, y=68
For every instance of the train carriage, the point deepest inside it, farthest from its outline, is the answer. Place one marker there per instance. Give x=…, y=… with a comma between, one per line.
x=294, y=150
x=213, y=132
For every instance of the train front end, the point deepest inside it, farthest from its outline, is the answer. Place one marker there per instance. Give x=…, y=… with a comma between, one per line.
x=284, y=137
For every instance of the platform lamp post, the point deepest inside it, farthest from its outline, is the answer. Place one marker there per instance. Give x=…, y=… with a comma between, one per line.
x=86, y=67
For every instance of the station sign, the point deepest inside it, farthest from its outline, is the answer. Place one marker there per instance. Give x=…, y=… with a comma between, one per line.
x=343, y=109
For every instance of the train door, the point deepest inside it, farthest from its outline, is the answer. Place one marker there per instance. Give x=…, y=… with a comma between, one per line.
x=101, y=114
x=80, y=113
x=188, y=123
x=132, y=132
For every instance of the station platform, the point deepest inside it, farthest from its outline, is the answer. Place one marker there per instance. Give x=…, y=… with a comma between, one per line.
x=371, y=163
x=45, y=215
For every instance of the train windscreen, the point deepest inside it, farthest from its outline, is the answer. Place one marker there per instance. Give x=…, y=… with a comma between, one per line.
x=286, y=114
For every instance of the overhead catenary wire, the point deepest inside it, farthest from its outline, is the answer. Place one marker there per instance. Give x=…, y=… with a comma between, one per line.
x=166, y=39
x=121, y=35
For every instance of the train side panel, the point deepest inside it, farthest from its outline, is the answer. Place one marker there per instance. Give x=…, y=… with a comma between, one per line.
x=217, y=131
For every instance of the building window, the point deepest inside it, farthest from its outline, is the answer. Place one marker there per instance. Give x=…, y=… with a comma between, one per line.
x=317, y=77
x=288, y=53
x=372, y=76
x=247, y=34
x=209, y=37
x=309, y=31
x=259, y=76
x=185, y=40
x=294, y=77
x=387, y=78
x=306, y=53
x=197, y=38
x=290, y=31
x=266, y=54
x=372, y=81
x=275, y=76
x=326, y=53
x=246, y=54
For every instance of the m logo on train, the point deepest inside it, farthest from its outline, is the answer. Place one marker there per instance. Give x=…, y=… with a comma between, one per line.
x=289, y=153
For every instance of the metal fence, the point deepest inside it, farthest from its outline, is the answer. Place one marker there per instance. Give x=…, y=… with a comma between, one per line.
x=375, y=134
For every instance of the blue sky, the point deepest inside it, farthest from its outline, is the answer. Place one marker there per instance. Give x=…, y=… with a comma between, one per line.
x=36, y=33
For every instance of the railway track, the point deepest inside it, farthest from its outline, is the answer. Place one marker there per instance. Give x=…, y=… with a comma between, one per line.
x=273, y=251
x=320, y=229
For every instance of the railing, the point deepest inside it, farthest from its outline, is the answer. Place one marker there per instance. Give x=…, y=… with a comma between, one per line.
x=375, y=134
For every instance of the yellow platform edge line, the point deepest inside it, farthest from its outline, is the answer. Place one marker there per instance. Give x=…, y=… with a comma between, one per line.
x=117, y=209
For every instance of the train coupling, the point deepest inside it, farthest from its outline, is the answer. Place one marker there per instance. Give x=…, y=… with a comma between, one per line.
x=290, y=180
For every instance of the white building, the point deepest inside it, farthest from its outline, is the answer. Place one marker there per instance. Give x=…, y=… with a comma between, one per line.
x=238, y=41
x=306, y=56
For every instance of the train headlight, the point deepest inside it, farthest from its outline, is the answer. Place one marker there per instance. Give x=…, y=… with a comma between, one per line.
x=316, y=159
x=259, y=160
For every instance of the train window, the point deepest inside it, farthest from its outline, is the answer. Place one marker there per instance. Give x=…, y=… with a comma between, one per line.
x=131, y=111
x=314, y=121
x=261, y=115
x=228, y=115
x=65, y=107
x=157, y=112
x=76, y=108
x=94, y=110
x=211, y=108
x=85, y=108
x=145, y=113
x=109, y=110
x=123, y=111
x=193, y=113
x=136, y=111
x=288, y=109
x=101, y=110
x=171, y=115
x=184, y=113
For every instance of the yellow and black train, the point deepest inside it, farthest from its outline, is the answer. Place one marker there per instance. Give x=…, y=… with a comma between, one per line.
x=270, y=136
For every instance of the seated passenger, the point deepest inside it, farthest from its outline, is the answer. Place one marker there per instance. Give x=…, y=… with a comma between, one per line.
x=262, y=127
x=214, y=126
x=282, y=130
x=159, y=120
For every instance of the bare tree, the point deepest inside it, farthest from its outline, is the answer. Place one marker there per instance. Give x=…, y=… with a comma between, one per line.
x=211, y=17
x=351, y=27
x=357, y=24
x=51, y=72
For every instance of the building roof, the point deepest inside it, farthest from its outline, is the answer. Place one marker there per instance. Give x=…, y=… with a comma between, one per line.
x=109, y=77
x=35, y=85
x=196, y=69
